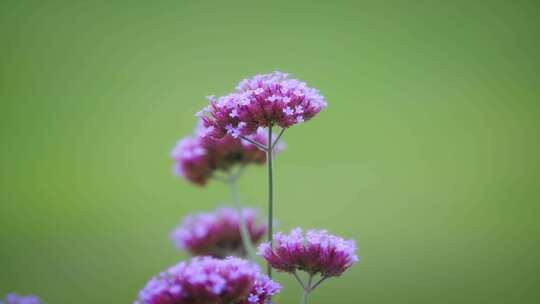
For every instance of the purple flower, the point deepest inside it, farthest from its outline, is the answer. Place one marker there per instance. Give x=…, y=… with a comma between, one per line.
x=263, y=289
x=261, y=101
x=197, y=157
x=13, y=298
x=217, y=233
x=318, y=252
x=206, y=280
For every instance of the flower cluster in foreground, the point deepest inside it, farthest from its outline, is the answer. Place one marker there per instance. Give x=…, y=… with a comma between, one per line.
x=316, y=252
x=217, y=233
x=13, y=298
x=197, y=157
x=262, y=101
x=207, y=280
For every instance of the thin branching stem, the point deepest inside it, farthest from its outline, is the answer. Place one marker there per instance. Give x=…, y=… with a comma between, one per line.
x=277, y=138
x=258, y=145
x=299, y=280
x=318, y=283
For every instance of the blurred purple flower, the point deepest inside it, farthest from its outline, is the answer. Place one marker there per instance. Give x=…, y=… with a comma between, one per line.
x=318, y=252
x=205, y=280
x=217, y=233
x=197, y=157
x=13, y=298
x=261, y=101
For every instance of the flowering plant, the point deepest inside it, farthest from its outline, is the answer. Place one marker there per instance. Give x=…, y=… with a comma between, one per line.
x=234, y=131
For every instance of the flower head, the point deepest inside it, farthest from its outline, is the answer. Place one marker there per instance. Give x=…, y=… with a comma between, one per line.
x=262, y=101
x=217, y=233
x=316, y=252
x=197, y=157
x=13, y=298
x=206, y=280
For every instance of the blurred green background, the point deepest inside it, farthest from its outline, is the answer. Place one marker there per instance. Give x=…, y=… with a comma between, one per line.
x=428, y=154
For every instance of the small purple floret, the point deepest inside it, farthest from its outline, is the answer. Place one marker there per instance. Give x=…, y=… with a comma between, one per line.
x=206, y=280
x=316, y=252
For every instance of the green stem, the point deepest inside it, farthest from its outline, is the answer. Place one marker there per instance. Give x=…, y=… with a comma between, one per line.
x=274, y=144
x=246, y=239
x=270, y=193
x=307, y=290
x=305, y=297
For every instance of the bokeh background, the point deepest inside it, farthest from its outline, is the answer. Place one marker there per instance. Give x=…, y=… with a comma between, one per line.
x=428, y=154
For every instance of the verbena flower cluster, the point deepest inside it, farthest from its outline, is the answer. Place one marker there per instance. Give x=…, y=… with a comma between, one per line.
x=208, y=280
x=217, y=233
x=197, y=157
x=236, y=130
x=13, y=298
x=316, y=252
x=261, y=101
